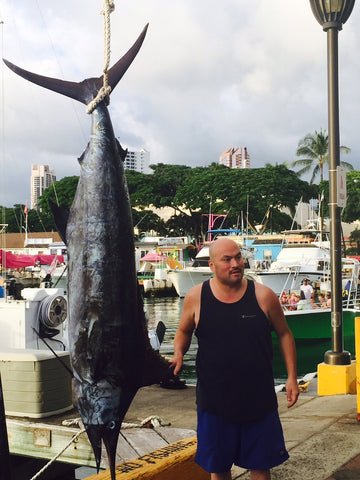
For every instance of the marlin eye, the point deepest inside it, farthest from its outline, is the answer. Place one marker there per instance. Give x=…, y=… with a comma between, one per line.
x=111, y=425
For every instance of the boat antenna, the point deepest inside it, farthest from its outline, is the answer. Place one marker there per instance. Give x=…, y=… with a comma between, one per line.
x=227, y=213
x=247, y=214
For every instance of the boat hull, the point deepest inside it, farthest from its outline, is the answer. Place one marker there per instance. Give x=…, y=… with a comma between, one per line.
x=312, y=333
x=187, y=278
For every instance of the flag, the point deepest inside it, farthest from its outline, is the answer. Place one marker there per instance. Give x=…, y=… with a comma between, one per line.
x=53, y=265
x=26, y=209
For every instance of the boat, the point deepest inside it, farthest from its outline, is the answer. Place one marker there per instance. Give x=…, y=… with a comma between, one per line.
x=312, y=328
x=312, y=333
x=152, y=275
x=34, y=351
x=305, y=254
x=31, y=270
x=183, y=279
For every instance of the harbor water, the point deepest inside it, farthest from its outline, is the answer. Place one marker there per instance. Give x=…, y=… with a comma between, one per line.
x=168, y=310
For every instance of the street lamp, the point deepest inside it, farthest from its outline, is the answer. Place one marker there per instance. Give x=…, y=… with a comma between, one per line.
x=331, y=14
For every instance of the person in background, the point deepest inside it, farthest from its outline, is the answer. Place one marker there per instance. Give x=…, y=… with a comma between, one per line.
x=321, y=303
x=304, y=304
x=328, y=299
x=284, y=300
x=238, y=421
x=293, y=301
x=307, y=289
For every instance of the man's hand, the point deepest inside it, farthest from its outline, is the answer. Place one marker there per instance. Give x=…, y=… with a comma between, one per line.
x=292, y=392
x=177, y=363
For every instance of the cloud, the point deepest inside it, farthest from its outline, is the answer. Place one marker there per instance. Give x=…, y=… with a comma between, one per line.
x=210, y=75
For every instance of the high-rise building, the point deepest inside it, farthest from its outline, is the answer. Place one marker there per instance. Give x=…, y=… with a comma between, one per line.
x=235, y=157
x=138, y=161
x=41, y=177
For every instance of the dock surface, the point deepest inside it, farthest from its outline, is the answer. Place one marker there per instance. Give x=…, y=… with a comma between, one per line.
x=322, y=434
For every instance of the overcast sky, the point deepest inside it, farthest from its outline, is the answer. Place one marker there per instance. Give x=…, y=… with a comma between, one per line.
x=210, y=75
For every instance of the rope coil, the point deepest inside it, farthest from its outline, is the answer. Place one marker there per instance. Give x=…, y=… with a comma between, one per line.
x=105, y=90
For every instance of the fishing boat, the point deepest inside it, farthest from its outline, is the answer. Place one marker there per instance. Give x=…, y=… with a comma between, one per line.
x=312, y=327
x=312, y=333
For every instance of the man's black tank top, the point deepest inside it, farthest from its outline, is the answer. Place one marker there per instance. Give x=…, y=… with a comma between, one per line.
x=234, y=359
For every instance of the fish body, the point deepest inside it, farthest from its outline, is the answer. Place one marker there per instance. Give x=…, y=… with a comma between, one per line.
x=108, y=344
x=109, y=347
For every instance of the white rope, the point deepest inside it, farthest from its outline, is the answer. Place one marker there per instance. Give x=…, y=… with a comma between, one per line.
x=105, y=90
x=74, y=438
x=152, y=421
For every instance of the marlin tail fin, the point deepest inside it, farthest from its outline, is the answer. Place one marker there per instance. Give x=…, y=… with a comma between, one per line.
x=86, y=90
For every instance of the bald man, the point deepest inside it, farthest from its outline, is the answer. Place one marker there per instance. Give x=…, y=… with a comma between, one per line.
x=238, y=421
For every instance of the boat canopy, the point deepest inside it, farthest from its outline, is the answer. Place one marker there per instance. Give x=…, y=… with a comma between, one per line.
x=153, y=257
x=12, y=260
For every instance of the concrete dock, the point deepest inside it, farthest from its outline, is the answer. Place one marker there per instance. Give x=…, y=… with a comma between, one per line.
x=322, y=434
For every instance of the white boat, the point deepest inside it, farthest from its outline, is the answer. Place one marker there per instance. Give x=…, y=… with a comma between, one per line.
x=183, y=279
x=304, y=256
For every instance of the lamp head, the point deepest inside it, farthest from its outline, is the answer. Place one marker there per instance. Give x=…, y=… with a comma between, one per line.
x=332, y=13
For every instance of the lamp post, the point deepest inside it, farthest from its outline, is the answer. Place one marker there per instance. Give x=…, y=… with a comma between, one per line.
x=331, y=14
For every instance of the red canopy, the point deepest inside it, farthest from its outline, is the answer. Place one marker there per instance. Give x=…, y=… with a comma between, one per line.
x=153, y=257
x=11, y=260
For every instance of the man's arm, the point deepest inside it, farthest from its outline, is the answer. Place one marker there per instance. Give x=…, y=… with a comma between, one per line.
x=185, y=330
x=270, y=304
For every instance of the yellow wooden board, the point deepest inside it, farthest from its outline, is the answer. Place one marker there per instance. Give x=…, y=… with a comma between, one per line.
x=174, y=461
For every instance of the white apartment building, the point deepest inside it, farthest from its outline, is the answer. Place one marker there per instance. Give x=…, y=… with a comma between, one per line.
x=235, y=157
x=138, y=161
x=41, y=177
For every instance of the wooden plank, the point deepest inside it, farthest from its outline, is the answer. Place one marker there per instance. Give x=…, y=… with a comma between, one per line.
x=45, y=441
x=170, y=434
x=174, y=461
x=124, y=451
x=144, y=440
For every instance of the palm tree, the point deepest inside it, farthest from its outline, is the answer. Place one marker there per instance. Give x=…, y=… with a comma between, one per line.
x=314, y=148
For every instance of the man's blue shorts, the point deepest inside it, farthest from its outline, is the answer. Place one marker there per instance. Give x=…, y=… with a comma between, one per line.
x=255, y=445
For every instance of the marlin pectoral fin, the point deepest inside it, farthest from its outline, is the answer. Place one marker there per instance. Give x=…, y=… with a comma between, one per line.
x=61, y=215
x=156, y=369
x=86, y=90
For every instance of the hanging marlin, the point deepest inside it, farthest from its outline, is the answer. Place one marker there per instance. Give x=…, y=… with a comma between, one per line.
x=109, y=347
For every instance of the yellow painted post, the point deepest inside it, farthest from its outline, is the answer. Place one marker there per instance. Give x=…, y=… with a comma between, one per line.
x=173, y=462
x=357, y=356
x=336, y=379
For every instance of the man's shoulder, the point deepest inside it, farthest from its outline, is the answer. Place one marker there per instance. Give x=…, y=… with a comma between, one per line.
x=264, y=291
x=194, y=292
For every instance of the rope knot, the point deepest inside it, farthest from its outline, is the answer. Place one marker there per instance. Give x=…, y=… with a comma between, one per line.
x=104, y=92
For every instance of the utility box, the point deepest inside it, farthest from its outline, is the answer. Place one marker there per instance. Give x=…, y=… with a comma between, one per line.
x=35, y=383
